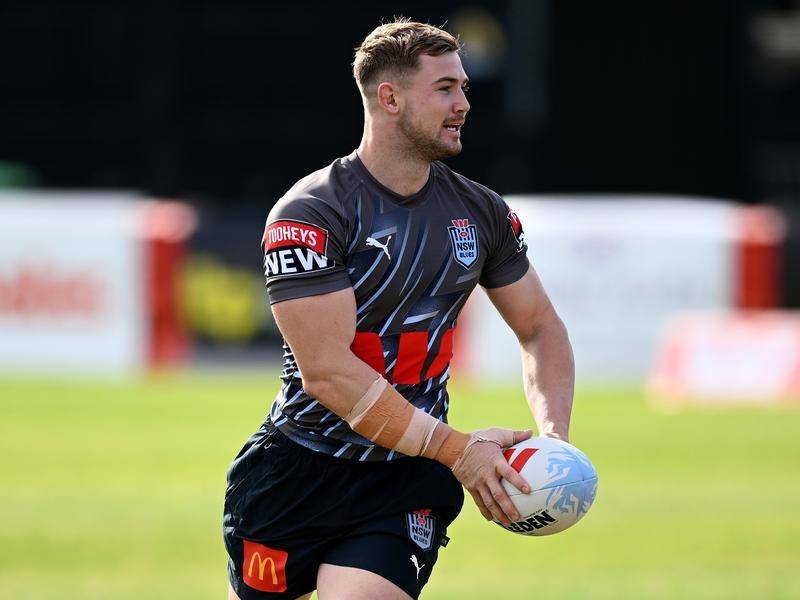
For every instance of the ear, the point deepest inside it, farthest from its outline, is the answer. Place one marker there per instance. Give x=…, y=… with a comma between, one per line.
x=388, y=98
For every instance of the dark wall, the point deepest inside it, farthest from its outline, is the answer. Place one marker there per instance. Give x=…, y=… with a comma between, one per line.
x=643, y=99
x=232, y=100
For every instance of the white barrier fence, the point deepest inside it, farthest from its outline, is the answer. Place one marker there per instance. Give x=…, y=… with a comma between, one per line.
x=76, y=280
x=617, y=269
x=724, y=358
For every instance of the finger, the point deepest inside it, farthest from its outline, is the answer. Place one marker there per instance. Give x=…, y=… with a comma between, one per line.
x=509, y=437
x=503, y=501
x=493, y=506
x=505, y=471
x=481, y=506
x=494, y=509
x=521, y=436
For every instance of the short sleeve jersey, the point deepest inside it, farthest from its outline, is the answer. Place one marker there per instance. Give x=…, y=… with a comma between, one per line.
x=412, y=262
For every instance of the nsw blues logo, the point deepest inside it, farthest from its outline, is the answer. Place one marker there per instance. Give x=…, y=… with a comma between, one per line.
x=464, y=238
x=421, y=526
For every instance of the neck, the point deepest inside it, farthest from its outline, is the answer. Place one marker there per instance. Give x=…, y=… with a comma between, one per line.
x=391, y=162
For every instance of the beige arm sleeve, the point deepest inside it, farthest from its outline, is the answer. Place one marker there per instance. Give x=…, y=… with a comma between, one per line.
x=383, y=416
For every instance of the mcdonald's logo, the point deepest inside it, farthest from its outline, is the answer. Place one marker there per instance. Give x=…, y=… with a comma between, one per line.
x=264, y=568
x=262, y=563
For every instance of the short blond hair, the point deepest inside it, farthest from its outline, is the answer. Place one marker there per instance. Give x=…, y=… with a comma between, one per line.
x=395, y=48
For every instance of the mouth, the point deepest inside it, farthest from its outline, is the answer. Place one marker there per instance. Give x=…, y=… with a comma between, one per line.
x=454, y=127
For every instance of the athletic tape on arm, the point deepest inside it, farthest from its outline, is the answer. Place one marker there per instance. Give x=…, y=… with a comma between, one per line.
x=383, y=416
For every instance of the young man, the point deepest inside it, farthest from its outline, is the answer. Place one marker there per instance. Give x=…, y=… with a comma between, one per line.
x=351, y=482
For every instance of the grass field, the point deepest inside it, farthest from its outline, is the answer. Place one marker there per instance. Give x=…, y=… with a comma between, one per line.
x=114, y=490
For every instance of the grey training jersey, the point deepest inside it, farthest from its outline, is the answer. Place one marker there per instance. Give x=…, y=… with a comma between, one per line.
x=411, y=261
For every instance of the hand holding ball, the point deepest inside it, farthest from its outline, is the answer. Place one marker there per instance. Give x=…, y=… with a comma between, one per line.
x=563, y=485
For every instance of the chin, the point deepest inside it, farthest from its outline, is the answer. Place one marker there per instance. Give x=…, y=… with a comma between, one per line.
x=450, y=151
x=441, y=150
x=433, y=148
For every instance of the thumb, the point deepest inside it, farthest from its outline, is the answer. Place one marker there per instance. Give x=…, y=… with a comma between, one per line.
x=509, y=437
x=521, y=436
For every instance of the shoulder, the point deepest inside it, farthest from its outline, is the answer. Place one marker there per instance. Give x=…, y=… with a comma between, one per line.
x=327, y=190
x=467, y=186
x=484, y=200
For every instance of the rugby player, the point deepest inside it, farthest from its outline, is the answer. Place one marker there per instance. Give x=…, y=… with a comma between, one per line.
x=349, y=485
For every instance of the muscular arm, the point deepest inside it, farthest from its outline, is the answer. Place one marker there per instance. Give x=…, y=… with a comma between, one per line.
x=320, y=330
x=547, y=362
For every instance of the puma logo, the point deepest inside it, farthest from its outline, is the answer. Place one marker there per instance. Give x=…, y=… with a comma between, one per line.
x=376, y=244
x=416, y=564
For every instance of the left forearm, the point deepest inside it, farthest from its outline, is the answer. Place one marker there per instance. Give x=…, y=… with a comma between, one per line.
x=549, y=377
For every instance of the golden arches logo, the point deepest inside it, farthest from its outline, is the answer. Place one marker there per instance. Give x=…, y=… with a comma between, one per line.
x=255, y=573
x=262, y=565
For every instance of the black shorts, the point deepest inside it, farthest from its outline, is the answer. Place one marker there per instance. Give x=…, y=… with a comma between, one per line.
x=289, y=509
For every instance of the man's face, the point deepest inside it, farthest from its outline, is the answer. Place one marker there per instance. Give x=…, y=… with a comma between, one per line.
x=435, y=106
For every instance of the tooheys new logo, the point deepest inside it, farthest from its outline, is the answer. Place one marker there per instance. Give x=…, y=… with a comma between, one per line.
x=293, y=248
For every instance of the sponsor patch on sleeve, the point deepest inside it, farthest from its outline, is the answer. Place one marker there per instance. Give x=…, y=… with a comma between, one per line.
x=294, y=247
x=516, y=227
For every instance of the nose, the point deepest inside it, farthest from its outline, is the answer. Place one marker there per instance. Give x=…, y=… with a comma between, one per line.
x=462, y=104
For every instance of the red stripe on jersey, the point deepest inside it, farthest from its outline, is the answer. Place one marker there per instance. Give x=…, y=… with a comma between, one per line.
x=522, y=458
x=367, y=346
x=411, y=355
x=442, y=359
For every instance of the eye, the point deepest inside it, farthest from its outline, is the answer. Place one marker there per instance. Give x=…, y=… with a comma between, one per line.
x=465, y=87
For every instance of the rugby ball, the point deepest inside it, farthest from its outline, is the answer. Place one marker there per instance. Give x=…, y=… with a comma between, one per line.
x=563, y=485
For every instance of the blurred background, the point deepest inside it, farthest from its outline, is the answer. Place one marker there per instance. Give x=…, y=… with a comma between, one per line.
x=652, y=151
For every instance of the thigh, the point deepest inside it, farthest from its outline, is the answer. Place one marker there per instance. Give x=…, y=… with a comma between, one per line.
x=335, y=582
x=232, y=595
x=402, y=546
x=387, y=551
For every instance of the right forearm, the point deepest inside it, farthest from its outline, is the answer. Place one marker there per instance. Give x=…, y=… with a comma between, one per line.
x=381, y=414
x=338, y=385
x=385, y=417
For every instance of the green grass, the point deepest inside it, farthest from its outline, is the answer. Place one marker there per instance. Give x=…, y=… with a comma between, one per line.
x=114, y=490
